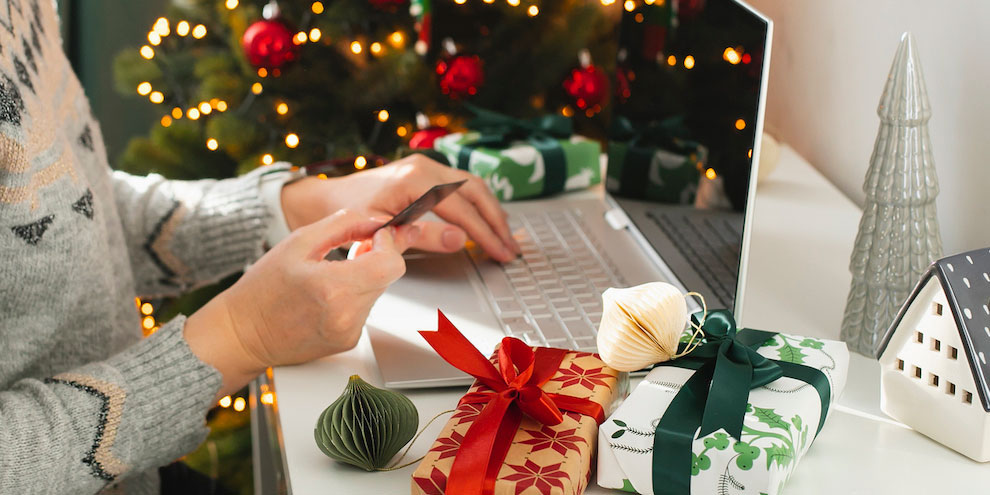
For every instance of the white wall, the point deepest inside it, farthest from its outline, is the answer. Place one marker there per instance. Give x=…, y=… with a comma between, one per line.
x=828, y=67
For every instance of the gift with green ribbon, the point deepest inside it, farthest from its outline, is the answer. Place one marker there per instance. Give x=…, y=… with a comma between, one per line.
x=653, y=162
x=739, y=410
x=523, y=158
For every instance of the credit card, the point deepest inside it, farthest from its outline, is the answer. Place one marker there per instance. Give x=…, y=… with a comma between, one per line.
x=423, y=204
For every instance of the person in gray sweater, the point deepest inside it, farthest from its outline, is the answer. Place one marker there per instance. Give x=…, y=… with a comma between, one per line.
x=86, y=404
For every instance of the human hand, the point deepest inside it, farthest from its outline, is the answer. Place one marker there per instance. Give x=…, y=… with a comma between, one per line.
x=293, y=305
x=472, y=210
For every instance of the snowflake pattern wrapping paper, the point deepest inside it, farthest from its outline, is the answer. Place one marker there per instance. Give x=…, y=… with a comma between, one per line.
x=542, y=459
x=779, y=426
x=520, y=171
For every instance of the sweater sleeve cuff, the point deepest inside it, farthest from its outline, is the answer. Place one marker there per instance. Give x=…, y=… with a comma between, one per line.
x=168, y=393
x=271, y=195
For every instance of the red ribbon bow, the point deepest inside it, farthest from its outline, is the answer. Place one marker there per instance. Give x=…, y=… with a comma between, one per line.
x=515, y=390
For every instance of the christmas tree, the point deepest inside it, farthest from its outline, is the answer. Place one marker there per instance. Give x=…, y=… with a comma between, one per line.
x=898, y=235
x=351, y=84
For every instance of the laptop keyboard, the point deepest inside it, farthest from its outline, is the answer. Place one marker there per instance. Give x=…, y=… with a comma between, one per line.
x=709, y=243
x=552, y=295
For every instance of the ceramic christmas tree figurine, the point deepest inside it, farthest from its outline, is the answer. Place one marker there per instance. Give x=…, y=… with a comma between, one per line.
x=898, y=235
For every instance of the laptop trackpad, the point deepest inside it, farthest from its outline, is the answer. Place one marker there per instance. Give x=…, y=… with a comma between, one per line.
x=445, y=282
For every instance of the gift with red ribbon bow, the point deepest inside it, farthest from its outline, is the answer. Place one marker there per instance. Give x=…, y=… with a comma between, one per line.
x=528, y=425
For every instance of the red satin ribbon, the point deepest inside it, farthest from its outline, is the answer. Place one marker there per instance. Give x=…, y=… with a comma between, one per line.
x=515, y=390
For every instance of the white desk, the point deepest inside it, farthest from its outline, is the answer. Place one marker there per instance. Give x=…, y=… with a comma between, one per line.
x=797, y=283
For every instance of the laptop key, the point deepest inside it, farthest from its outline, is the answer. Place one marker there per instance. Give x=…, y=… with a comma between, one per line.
x=552, y=329
x=581, y=328
x=495, y=280
x=508, y=307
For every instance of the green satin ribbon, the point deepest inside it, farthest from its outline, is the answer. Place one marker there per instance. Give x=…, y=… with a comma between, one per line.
x=499, y=131
x=641, y=146
x=715, y=397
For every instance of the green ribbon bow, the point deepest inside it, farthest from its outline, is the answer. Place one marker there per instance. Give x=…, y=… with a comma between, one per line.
x=715, y=397
x=499, y=131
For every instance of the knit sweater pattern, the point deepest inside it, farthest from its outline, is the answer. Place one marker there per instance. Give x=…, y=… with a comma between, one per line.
x=86, y=404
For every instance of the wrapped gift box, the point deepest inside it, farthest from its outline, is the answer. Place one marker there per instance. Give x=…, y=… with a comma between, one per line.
x=780, y=423
x=541, y=459
x=520, y=170
x=673, y=171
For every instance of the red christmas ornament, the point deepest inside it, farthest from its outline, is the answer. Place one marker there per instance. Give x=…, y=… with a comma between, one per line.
x=460, y=75
x=268, y=44
x=386, y=4
x=424, y=138
x=588, y=86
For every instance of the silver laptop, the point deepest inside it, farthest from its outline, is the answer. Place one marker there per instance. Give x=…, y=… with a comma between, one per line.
x=576, y=246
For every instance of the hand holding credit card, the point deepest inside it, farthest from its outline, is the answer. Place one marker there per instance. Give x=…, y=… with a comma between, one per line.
x=423, y=204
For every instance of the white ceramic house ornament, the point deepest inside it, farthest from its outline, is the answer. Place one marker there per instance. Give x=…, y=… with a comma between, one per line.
x=933, y=358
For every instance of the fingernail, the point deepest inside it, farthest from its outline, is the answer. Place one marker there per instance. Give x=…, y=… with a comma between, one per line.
x=453, y=239
x=412, y=234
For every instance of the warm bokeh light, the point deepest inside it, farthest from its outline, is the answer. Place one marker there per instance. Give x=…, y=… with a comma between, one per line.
x=147, y=309
x=166, y=121
x=382, y=115
x=267, y=159
x=671, y=60
x=222, y=106
x=300, y=38
x=689, y=62
x=731, y=56
x=225, y=401
x=212, y=144
x=360, y=162
x=144, y=88
x=154, y=38
x=268, y=398
x=192, y=113
x=315, y=34
x=533, y=10
x=514, y=3
x=256, y=88
x=147, y=52
x=205, y=108
x=630, y=5
x=607, y=2
x=740, y=124
x=639, y=17
x=317, y=7
x=282, y=108
x=231, y=4
x=356, y=47
x=291, y=140
x=401, y=131
x=239, y=404
x=376, y=48
x=396, y=39
x=460, y=2
x=567, y=111
x=710, y=174
x=182, y=28
x=148, y=322
x=161, y=26
x=750, y=153
x=176, y=113
x=199, y=31
x=156, y=97
x=262, y=72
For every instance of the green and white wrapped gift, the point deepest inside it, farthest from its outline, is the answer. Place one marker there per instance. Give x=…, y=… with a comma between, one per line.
x=735, y=415
x=523, y=158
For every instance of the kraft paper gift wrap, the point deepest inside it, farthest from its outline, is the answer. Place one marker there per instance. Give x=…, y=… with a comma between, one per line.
x=520, y=170
x=781, y=420
x=539, y=458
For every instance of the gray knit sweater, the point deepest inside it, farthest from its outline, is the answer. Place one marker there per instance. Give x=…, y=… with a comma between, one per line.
x=86, y=404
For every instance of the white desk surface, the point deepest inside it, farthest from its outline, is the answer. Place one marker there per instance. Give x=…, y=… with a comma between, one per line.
x=797, y=283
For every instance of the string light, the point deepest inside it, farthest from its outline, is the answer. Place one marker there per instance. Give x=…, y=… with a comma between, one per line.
x=740, y=124
x=382, y=115
x=630, y=5
x=262, y=72
x=650, y=2
x=154, y=38
x=356, y=47
x=607, y=2
x=300, y=38
x=161, y=26
x=192, y=113
x=231, y=5
x=671, y=60
x=514, y=3
x=147, y=308
x=156, y=97
x=749, y=154
x=147, y=52
x=689, y=62
x=396, y=39
x=402, y=131
x=267, y=159
x=567, y=111
x=639, y=17
x=360, y=162
x=182, y=28
x=282, y=108
x=731, y=56
x=176, y=113
x=489, y=1
x=533, y=10
x=710, y=174
x=460, y=2
x=144, y=88
x=256, y=88
x=268, y=398
x=212, y=144
x=166, y=121
x=322, y=177
x=205, y=108
x=226, y=400
x=317, y=7
x=292, y=140
x=239, y=404
x=443, y=120
x=315, y=35
x=376, y=48
x=148, y=322
x=199, y=31
x=222, y=106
